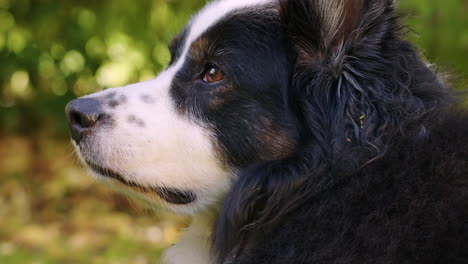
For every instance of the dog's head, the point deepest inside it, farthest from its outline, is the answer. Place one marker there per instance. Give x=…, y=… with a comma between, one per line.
x=253, y=81
x=220, y=106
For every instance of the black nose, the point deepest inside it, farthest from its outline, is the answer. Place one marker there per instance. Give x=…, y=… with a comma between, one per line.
x=83, y=117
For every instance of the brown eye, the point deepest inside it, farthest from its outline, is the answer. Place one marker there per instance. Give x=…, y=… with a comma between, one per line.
x=213, y=74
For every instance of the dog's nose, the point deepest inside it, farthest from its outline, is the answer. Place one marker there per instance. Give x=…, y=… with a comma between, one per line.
x=83, y=117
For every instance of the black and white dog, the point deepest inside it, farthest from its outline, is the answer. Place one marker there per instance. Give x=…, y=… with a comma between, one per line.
x=294, y=131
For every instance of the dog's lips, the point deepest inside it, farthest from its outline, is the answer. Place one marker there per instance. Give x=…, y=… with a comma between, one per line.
x=108, y=173
x=175, y=196
x=170, y=195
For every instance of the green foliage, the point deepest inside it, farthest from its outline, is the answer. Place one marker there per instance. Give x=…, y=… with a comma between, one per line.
x=52, y=51
x=440, y=30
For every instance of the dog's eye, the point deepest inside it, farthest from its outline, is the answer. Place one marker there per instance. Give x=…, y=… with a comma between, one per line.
x=213, y=74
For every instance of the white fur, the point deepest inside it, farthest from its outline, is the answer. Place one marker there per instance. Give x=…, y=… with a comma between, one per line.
x=194, y=245
x=168, y=151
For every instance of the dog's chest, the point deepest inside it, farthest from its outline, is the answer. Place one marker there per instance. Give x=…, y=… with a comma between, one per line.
x=194, y=245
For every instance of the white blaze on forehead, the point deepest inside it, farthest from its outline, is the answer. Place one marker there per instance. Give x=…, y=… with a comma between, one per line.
x=209, y=16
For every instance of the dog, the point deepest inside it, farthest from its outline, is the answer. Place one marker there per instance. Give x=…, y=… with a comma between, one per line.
x=294, y=131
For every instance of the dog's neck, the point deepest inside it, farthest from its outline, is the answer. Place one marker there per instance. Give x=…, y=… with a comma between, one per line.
x=194, y=245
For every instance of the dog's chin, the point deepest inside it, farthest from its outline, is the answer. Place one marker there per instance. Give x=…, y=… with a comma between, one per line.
x=171, y=196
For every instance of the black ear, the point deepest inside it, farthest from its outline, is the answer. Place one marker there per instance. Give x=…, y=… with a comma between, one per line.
x=320, y=28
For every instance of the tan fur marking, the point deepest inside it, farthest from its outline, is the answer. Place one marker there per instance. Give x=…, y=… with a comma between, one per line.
x=199, y=49
x=277, y=142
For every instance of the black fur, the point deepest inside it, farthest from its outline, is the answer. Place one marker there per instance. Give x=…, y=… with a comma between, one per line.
x=379, y=172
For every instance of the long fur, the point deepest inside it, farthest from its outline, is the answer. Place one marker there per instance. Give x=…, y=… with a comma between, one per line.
x=382, y=173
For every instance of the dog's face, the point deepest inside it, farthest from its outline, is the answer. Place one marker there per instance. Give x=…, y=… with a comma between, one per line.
x=220, y=106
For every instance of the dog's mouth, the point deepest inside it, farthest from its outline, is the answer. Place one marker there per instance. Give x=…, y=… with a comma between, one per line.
x=170, y=195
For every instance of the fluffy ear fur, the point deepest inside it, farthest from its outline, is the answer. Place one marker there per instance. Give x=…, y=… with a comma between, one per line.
x=356, y=86
x=319, y=27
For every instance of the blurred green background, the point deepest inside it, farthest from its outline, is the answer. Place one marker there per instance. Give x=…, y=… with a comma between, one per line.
x=52, y=51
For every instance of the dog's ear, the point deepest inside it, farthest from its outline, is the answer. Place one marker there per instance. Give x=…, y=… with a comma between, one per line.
x=354, y=78
x=319, y=27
